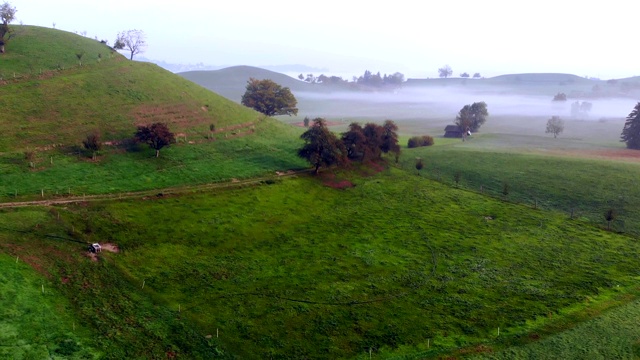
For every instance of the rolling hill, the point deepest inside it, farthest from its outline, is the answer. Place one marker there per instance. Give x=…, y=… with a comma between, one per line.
x=63, y=102
x=231, y=82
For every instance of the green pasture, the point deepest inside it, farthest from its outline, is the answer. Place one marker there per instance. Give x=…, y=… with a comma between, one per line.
x=272, y=147
x=588, y=186
x=36, y=320
x=417, y=266
x=613, y=335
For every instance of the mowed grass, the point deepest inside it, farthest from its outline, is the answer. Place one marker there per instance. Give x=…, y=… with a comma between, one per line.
x=396, y=265
x=588, y=186
x=36, y=320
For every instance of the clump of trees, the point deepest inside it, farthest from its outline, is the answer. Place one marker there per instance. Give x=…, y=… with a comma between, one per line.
x=133, y=41
x=7, y=15
x=418, y=141
x=471, y=117
x=555, y=126
x=560, y=97
x=321, y=146
x=581, y=109
x=376, y=80
x=631, y=131
x=359, y=143
x=156, y=135
x=445, y=71
x=269, y=98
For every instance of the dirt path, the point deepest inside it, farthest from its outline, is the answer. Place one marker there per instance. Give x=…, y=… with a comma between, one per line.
x=155, y=193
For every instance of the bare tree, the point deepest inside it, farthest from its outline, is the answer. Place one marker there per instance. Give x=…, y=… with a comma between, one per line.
x=131, y=40
x=7, y=15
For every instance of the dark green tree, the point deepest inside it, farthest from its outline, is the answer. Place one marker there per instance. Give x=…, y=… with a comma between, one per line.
x=471, y=117
x=156, y=135
x=631, y=131
x=355, y=141
x=321, y=147
x=269, y=98
x=374, y=135
x=390, y=139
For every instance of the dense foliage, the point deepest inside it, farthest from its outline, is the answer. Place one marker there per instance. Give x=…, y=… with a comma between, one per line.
x=471, y=117
x=269, y=98
x=631, y=131
x=418, y=141
x=156, y=135
x=321, y=147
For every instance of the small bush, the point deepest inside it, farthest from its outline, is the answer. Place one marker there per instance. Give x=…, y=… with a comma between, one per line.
x=418, y=141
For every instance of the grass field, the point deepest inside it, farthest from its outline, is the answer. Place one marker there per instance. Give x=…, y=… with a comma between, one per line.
x=575, y=178
x=37, y=320
x=613, y=335
x=403, y=264
x=269, y=147
x=265, y=268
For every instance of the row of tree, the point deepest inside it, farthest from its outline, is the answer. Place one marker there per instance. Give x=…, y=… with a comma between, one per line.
x=367, y=79
x=322, y=148
x=445, y=72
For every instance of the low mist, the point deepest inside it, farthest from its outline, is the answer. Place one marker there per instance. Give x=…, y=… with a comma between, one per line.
x=437, y=103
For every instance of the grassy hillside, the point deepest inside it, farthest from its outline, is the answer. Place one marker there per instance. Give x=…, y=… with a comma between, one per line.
x=231, y=82
x=50, y=114
x=111, y=96
x=34, y=50
x=298, y=269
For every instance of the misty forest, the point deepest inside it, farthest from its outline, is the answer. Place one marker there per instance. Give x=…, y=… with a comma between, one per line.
x=244, y=213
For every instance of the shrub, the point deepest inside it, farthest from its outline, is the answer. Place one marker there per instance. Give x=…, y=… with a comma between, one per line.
x=418, y=141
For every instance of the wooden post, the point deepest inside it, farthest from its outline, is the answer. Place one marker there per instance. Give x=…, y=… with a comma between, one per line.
x=143, y=283
x=42, y=192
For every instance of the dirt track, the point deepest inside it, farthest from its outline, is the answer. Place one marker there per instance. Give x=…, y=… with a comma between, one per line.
x=156, y=193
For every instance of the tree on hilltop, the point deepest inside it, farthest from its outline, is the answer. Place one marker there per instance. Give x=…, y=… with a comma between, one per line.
x=131, y=40
x=631, y=131
x=156, y=135
x=321, y=147
x=445, y=71
x=7, y=15
x=476, y=76
x=269, y=98
x=464, y=75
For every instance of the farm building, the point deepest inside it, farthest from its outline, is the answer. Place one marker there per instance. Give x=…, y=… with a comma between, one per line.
x=452, y=131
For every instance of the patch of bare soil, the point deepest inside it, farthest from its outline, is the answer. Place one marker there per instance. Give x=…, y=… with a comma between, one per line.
x=113, y=248
x=611, y=154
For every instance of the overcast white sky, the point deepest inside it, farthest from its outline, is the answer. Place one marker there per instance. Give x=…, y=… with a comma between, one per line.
x=587, y=38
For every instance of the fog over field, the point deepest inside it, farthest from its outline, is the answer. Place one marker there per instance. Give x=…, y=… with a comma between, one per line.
x=417, y=103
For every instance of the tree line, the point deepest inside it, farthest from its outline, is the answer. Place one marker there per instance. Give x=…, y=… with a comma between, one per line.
x=322, y=148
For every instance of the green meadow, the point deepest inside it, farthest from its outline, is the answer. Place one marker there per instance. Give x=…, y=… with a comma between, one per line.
x=497, y=248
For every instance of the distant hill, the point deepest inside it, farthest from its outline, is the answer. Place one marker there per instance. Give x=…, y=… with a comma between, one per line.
x=47, y=98
x=540, y=79
x=231, y=82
